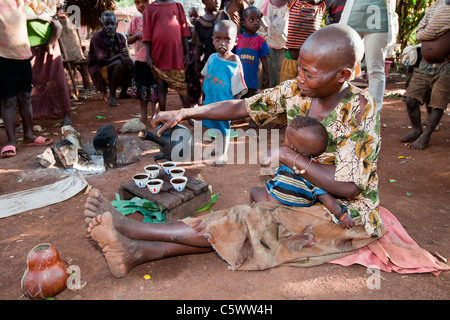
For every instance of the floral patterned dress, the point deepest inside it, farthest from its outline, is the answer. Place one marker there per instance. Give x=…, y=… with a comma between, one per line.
x=353, y=148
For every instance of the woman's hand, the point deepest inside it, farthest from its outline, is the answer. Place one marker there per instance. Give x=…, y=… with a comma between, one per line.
x=168, y=119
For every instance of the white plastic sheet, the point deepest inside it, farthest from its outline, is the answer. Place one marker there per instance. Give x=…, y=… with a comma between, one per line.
x=18, y=202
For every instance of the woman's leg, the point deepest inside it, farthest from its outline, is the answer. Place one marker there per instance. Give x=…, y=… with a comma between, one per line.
x=123, y=254
x=175, y=232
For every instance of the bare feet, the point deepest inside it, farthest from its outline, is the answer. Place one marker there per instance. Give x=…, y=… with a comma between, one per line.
x=97, y=204
x=113, y=101
x=118, y=249
x=221, y=160
x=421, y=143
x=413, y=135
x=66, y=119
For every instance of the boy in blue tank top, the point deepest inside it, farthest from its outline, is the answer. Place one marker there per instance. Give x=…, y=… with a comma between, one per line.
x=223, y=80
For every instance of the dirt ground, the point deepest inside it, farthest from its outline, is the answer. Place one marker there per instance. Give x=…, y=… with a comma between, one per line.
x=419, y=199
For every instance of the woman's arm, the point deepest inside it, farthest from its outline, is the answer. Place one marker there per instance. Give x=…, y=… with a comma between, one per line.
x=223, y=110
x=321, y=175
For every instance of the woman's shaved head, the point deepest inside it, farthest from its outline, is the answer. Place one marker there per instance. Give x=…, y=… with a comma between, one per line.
x=338, y=43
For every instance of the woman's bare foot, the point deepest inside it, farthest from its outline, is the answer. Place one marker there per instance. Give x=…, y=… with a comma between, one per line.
x=97, y=204
x=118, y=250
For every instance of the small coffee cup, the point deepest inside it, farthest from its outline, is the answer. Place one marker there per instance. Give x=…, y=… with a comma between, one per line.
x=178, y=183
x=140, y=179
x=154, y=185
x=152, y=170
x=168, y=165
x=177, y=172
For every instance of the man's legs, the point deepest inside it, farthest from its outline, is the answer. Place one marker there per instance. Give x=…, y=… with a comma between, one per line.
x=117, y=71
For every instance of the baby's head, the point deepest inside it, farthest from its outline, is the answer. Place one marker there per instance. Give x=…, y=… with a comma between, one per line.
x=307, y=136
x=327, y=59
x=224, y=36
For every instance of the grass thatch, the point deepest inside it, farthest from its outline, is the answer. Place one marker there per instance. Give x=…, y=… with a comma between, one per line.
x=91, y=11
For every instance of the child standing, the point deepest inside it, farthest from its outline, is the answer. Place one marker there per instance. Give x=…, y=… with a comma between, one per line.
x=193, y=77
x=251, y=49
x=275, y=25
x=16, y=76
x=165, y=35
x=223, y=80
x=305, y=17
x=309, y=138
x=203, y=33
x=144, y=86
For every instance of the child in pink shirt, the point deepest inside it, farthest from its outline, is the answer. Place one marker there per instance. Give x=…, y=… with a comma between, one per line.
x=165, y=35
x=144, y=86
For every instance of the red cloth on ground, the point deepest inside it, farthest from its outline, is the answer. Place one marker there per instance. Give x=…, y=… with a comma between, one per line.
x=394, y=251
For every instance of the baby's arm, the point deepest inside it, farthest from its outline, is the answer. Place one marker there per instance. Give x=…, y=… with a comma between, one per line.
x=335, y=208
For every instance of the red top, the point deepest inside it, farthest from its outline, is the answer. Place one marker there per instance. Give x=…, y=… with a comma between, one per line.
x=164, y=26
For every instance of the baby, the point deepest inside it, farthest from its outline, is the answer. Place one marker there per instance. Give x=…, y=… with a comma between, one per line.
x=309, y=138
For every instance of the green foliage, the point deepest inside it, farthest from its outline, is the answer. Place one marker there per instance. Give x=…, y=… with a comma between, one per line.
x=410, y=12
x=152, y=212
x=125, y=3
x=214, y=198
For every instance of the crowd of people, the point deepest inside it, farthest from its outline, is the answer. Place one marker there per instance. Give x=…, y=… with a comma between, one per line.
x=323, y=203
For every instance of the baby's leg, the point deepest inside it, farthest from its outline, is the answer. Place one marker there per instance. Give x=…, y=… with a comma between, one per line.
x=258, y=194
